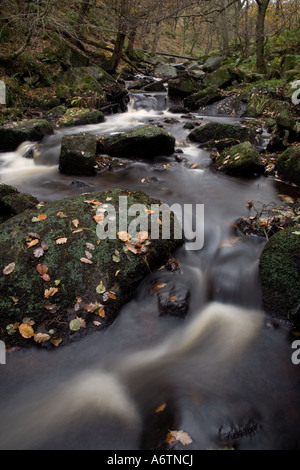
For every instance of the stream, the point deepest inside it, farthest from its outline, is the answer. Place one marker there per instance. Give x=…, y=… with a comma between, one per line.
x=235, y=387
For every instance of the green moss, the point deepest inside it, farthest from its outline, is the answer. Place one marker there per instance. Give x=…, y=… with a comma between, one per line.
x=240, y=160
x=288, y=165
x=280, y=275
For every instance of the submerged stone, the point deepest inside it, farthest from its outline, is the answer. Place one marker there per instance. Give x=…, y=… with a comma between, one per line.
x=78, y=153
x=55, y=269
x=217, y=131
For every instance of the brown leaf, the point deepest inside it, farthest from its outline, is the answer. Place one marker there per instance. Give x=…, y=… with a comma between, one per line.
x=38, y=253
x=98, y=218
x=33, y=235
x=91, y=307
x=44, y=246
x=56, y=341
x=159, y=286
x=143, y=236
x=78, y=231
x=88, y=255
x=46, y=277
x=112, y=295
x=9, y=269
x=42, y=269
x=75, y=222
x=32, y=243
x=181, y=436
x=101, y=312
x=26, y=331
x=96, y=323
x=173, y=298
x=42, y=216
x=90, y=246
x=61, y=215
x=82, y=322
x=50, y=292
x=161, y=408
x=94, y=202
x=86, y=261
x=41, y=337
x=131, y=247
x=52, y=308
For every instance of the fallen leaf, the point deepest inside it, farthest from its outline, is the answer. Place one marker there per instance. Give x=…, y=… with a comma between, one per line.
x=42, y=216
x=88, y=255
x=90, y=246
x=96, y=323
x=26, y=331
x=38, y=253
x=75, y=324
x=78, y=231
x=100, y=289
x=101, y=313
x=161, y=408
x=112, y=295
x=98, y=218
x=42, y=269
x=86, y=261
x=124, y=236
x=41, y=337
x=149, y=211
x=50, y=292
x=32, y=243
x=94, y=202
x=52, y=308
x=61, y=215
x=130, y=247
x=56, y=341
x=173, y=298
x=143, y=236
x=75, y=222
x=181, y=436
x=9, y=269
x=44, y=246
x=61, y=241
x=46, y=277
x=159, y=286
x=91, y=308
x=33, y=235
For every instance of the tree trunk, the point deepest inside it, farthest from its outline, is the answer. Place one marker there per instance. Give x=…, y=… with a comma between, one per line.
x=260, y=35
x=156, y=38
x=121, y=36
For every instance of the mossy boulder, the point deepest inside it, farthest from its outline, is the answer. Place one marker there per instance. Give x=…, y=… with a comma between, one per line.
x=144, y=142
x=89, y=83
x=212, y=64
x=78, y=153
x=280, y=275
x=288, y=165
x=13, y=134
x=217, y=131
x=194, y=101
x=80, y=117
x=55, y=268
x=220, y=78
x=182, y=87
x=240, y=160
x=13, y=202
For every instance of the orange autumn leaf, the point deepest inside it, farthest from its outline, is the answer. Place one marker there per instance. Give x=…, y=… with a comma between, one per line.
x=101, y=313
x=173, y=298
x=124, y=236
x=46, y=277
x=112, y=295
x=42, y=269
x=42, y=216
x=26, y=331
x=94, y=202
x=142, y=236
x=98, y=218
x=159, y=286
x=61, y=241
x=181, y=436
x=32, y=243
x=75, y=222
x=161, y=408
x=56, y=341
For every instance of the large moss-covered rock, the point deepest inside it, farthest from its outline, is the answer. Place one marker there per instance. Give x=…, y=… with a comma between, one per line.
x=13, y=134
x=288, y=165
x=80, y=117
x=182, y=87
x=78, y=153
x=220, y=78
x=240, y=160
x=280, y=275
x=217, y=131
x=63, y=271
x=195, y=100
x=144, y=142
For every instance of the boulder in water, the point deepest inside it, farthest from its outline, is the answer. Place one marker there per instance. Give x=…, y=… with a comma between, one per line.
x=13, y=134
x=288, y=165
x=60, y=278
x=240, y=160
x=182, y=87
x=13, y=202
x=144, y=142
x=78, y=153
x=217, y=131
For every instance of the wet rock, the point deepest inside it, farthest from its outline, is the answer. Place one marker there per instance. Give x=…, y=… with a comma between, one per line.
x=177, y=109
x=144, y=142
x=78, y=153
x=217, y=131
x=13, y=134
x=173, y=298
x=80, y=117
x=288, y=165
x=165, y=71
x=84, y=278
x=13, y=202
x=280, y=275
x=220, y=78
x=240, y=160
x=182, y=87
x=212, y=63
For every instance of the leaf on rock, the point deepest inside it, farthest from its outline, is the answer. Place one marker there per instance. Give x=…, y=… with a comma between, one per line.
x=62, y=215
x=44, y=246
x=52, y=308
x=94, y=202
x=42, y=269
x=112, y=295
x=56, y=341
x=50, y=292
x=124, y=236
x=42, y=216
x=86, y=261
x=41, y=337
x=90, y=246
x=100, y=289
x=38, y=253
x=46, y=277
x=159, y=286
x=101, y=312
x=96, y=323
x=98, y=218
x=143, y=236
x=161, y=408
x=181, y=436
x=75, y=222
x=9, y=269
x=32, y=243
x=61, y=241
x=75, y=324
x=130, y=247
x=26, y=331
x=88, y=255
x=91, y=308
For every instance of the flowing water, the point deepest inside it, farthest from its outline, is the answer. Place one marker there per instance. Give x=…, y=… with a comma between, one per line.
x=224, y=373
